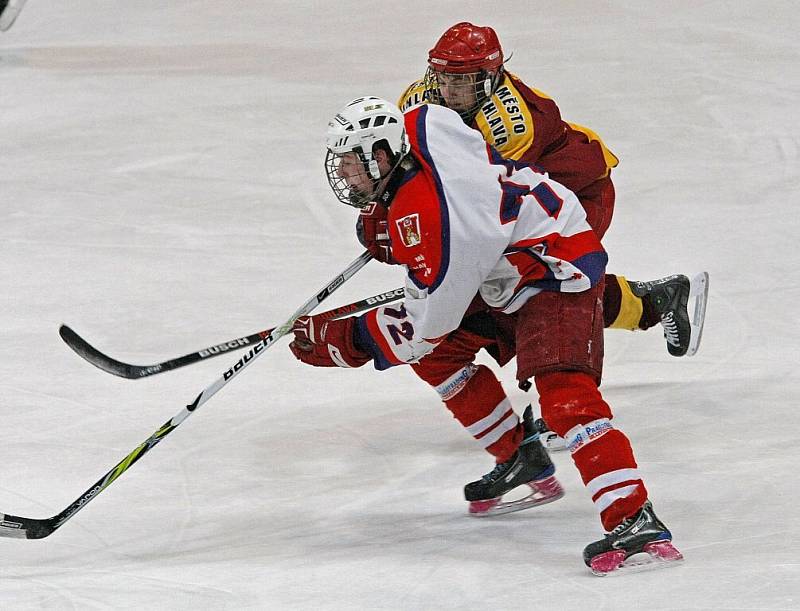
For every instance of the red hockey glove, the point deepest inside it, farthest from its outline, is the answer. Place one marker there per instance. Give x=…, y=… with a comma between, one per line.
x=327, y=343
x=372, y=230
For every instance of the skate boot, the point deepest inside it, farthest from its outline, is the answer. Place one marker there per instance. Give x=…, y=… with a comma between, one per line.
x=668, y=299
x=642, y=533
x=549, y=439
x=530, y=466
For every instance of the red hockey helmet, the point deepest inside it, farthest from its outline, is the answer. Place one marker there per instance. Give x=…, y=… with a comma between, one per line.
x=466, y=47
x=465, y=67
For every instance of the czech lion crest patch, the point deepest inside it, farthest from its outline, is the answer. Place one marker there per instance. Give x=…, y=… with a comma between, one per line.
x=408, y=227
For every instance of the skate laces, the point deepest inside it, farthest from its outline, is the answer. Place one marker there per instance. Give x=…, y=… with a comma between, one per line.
x=628, y=522
x=496, y=472
x=623, y=526
x=670, y=329
x=530, y=438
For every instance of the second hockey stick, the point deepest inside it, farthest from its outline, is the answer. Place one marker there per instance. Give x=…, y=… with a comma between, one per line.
x=32, y=528
x=133, y=372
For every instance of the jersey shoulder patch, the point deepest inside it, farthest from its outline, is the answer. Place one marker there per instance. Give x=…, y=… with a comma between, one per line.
x=408, y=228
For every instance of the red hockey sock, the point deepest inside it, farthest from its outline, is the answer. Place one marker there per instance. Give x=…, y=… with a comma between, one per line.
x=478, y=402
x=573, y=407
x=609, y=471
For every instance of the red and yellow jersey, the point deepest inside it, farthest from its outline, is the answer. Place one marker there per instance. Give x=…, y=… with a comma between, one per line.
x=524, y=124
x=465, y=221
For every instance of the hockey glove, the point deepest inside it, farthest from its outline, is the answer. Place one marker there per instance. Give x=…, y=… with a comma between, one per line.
x=372, y=230
x=328, y=343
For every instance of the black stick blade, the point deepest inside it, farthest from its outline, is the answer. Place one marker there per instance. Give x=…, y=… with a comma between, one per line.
x=25, y=528
x=91, y=354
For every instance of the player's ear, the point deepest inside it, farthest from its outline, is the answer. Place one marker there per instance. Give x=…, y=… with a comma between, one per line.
x=380, y=154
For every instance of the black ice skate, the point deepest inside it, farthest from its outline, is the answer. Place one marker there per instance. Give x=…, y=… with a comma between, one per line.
x=530, y=466
x=641, y=534
x=669, y=298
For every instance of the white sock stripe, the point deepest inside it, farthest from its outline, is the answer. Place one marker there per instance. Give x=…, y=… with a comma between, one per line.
x=604, y=500
x=612, y=477
x=496, y=433
x=476, y=428
x=579, y=436
x=456, y=382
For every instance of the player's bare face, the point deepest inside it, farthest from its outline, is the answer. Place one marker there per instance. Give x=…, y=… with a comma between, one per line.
x=352, y=170
x=458, y=90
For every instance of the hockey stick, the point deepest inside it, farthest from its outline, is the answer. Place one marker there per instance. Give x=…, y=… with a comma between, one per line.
x=133, y=372
x=31, y=528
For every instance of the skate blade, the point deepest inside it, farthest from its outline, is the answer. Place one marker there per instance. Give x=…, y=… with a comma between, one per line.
x=658, y=555
x=699, y=291
x=543, y=492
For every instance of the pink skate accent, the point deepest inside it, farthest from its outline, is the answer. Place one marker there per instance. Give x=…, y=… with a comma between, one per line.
x=660, y=554
x=543, y=491
x=608, y=562
x=663, y=551
x=547, y=488
x=483, y=507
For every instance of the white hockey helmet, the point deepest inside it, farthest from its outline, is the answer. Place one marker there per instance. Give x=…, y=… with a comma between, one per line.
x=357, y=128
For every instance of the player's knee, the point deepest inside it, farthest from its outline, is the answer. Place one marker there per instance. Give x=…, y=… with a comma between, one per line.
x=452, y=359
x=568, y=399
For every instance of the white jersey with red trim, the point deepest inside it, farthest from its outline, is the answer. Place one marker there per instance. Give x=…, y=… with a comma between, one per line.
x=464, y=221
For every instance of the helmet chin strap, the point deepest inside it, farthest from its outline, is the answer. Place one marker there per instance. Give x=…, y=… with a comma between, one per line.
x=392, y=181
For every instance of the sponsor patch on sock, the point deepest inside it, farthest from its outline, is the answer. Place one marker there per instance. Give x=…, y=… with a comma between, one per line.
x=456, y=382
x=579, y=436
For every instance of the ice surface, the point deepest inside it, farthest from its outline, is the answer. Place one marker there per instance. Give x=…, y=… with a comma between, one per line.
x=161, y=190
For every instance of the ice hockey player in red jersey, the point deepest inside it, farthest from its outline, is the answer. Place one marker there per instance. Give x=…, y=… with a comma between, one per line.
x=465, y=223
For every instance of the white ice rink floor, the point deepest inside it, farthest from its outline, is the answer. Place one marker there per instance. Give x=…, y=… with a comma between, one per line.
x=162, y=189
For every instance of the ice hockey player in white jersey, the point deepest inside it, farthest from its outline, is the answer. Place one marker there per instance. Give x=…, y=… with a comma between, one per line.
x=472, y=228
